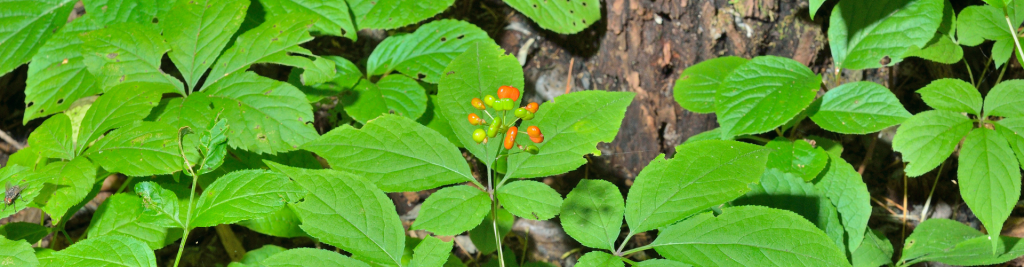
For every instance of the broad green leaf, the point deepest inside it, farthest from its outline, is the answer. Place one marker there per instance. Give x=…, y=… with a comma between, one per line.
x=953, y=95
x=28, y=24
x=431, y=252
x=122, y=105
x=243, y=195
x=697, y=86
x=300, y=257
x=947, y=26
x=567, y=17
x=476, y=73
x=859, y=108
x=281, y=223
x=30, y=232
x=114, y=11
x=762, y=94
x=66, y=184
x=713, y=134
x=127, y=52
x=939, y=49
x=395, y=153
x=333, y=17
x=104, y=251
x=876, y=250
x=928, y=138
x=701, y=175
x=270, y=42
x=849, y=194
x=862, y=33
x=17, y=253
x=245, y=160
x=30, y=182
x=120, y=215
x=1002, y=49
x=570, y=132
x=53, y=138
x=989, y=178
x=832, y=147
x=530, y=199
x=483, y=235
x=592, y=214
x=748, y=236
x=462, y=201
x=141, y=149
x=160, y=206
x=425, y=52
x=1013, y=130
x=951, y=242
x=197, y=31
x=348, y=212
x=391, y=14
x=798, y=157
x=599, y=259
x=661, y=263
x=786, y=191
x=975, y=24
x=193, y=112
x=57, y=75
x=1006, y=99
x=253, y=257
x=347, y=74
x=454, y=261
x=434, y=119
x=394, y=94
x=264, y=116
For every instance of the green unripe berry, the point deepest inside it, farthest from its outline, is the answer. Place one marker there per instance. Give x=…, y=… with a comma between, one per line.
x=532, y=149
x=494, y=128
x=529, y=116
x=489, y=100
x=522, y=113
x=479, y=135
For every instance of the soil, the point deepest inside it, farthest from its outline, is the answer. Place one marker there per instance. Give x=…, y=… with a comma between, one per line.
x=638, y=46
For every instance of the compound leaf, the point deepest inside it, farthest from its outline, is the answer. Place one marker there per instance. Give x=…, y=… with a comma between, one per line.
x=461, y=201
x=243, y=195
x=427, y=51
x=122, y=105
x=57, y=75
x=952, y=94
x=928, y=138
x=530, y=199
x=859, y=108
x=762, y=94
x=592, y=214
x=863, y=33
x=197, y=31
x=697, y=85
x=989, y=178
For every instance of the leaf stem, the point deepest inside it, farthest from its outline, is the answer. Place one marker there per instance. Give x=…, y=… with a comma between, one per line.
x=1000, y=78
x=494, y=220
x=969, y=73
x=195, y=178
x=983, y=72
x=1013, y=33
x=631, y=263
x=125, y=184
x=754, y=138
x=618, y=252
x=927, y=203
x=635, y=250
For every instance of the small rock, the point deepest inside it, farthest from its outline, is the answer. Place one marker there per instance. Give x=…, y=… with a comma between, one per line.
x=657, y=19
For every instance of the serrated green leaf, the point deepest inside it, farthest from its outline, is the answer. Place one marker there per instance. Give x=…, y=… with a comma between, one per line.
x=661, y=263
x=592, y=214
x=953, y=95
x=113, y=11
x=425, y=52
x=763, y=94
x=141, y=149
x=281, y=223
x=243, y=195
x=127, y=52
x=333, y=17
x=849, y=194
x=1013, y=130
x=713, y=134
x=599, y=259
x=28, y=24
x=213, y=144
x=120, y=215
x=245, y=160
x=30, y=182
x=701, y=175
x=53, y=138
x=786, y=191
x=975, y=24
x=461, y=201
x=57, y=75
x=66, y=184
x=253, y=257
x=193, y=112
x=567, y=17
x=476, y=73
x=1006, y=99
x=197, y=31
x=121, y=106
x=17, y=253
x=104, y=251
x=349, y=212
x=989, y=178
x=483, y=235
x=876, y=250
x=858, y=108
x=748, y=236
x=939, y=49
x=832, y=147
x=300, y=257
x=697, y=86
x=951, y=242
x=160, y=206
x=1002, y=49
x=30, y=232
x=570, y=132
x=434, y=119
x=530, y=199
x=798, y=157
x=431, y=252
x=395, y=153
x=394, y=94
x=862, y=33
x=391, y=14
x=270, y=42
x=928, y=138
x=347, y=74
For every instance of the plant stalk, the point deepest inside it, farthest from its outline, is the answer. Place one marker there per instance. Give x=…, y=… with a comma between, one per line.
x=969, y=71
x=927, y=203
x=618, y=252
x=1013, y=31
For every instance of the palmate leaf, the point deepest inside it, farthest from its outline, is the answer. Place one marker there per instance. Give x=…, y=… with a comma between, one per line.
x=763, y=94
x=951, y=242
x=798, y=157
x=141, y=149
x=859, y=108
x=864, y=32
x=431, y=252
x=57, y=75
x=989, y=178
x=592, y=214
x=702, y=175
x=847, y=191
x=349, y=212
x=953, y=95
x=562, y=17
x=53, y=138
x=697, y=85
x=391, y=14
x=28, y=24
x=122, y=105
x=120, y=215
x=748, y=236
x=197, y=31
x=394, y=94
x=17, y=253
x=270, y=42
x=66, y=184
x=569, y=132
x=928, y=138
x=599, y=259
x=531, y=200
x=1006, y=99
x=243, y=195
x=425, y=52
x=462, y=201
x=334, y=17
x=127, y=52
x=116, y=251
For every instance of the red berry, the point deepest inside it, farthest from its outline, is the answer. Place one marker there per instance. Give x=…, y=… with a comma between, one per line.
x=532, y=107
x=533, y=131
x=510, y=137
x=478, y=104
x=474, y=119
x=537, y=139
x=509, y=92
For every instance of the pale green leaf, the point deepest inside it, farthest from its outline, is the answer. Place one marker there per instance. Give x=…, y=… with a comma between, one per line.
x=798, y=157
x=30, y=182
x=17, y=253
x=270, y=42
x=127, y=52
x=953, y=95
x=394, y=94
x=213, y=145
x=762, y=94
x=57, y=75
x=951, y=242
x=939, y=49
x=788, y=192
x=483, y=235
x=431, y=252
x=105, y=251
x=989, y=178
x=333, y=17
x=876, y=250
x=849, y=194
x=197, y=31
x=566, y=17
x=462, y=201
x=243, y=195
x=592, y=213
x=599, y=259
x=391, y=14
x=120, y=215
x=302, y=257
x=281, y=223
x=1002, y=49
x=141, y=149
x=66, y=185
x=530, y=199
x=160, y=206
x=1013, y=130
x=697, y=86
x=27, y=25
x=1006, y=99
x=862, y=33
x=53, y=138
x=122, y=105
x=253, y=257
x=928, y=138
x=427, y=51
x=859, y=108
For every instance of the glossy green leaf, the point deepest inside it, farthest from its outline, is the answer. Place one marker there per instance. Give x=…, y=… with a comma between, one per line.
x=832, y=147
x=928, y=138
x=141, y=149
x=253, y=257
x=127, y=52
x=28, y=24
x=57, y=75
x=347, y=74
x=989, y=178
x=53, y=138
x=427, y=51
x=786, y=191
x=570, y=132
x=30, y=182
x=697, y=86
x=121, y=106
x=391, y=14
x=876, y=250
x=1013, y=130
x=1002, y=49
x=951, y=242
x=17, y=253
x=849, y=194
x=592, y=214
x=713, y=134
x=114, y=11
x=1006, y=99
x=862, y=33
x=798, y=157
x=530, y=199
x=476, y=73
x=976, y=24
x=939, y=49
x=281, y=223
x=859, y=108
x=562, y=17
x=333, y=17
x=702, y=175
x=300, y=257
x=159, y=206
x=431, y=252
x=763, y=94
x=483, y=235
x=462, y=201
x=270, y=42
x=599, y=259
x=105, y=251
x=349, y=212
x=243, y=195
x=197, y=31
x=66, y=184
x=120, y=215
x=953, y=95
x=434, y=119
x=30, y=232
x=748, y=236
x=394, y=94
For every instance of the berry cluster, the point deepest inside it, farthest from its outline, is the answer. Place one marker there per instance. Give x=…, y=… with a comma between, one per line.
x=507, y=96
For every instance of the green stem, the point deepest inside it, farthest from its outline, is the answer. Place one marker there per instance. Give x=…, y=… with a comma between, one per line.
x=618, y=252
x=635, y=250
x=125, y=184
x=1020, y=53
x=924, y=212
x=188, y=218
x=969, y=71
x=754, y=138
x=631, y=263
x=1000, y=78
x=983, y=72
x=494, y=222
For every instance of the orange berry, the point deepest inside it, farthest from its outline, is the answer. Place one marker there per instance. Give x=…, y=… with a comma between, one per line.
x=537, y=139
x=532, y=107
x=533, y=131
x=478, y=104
x=474, y=119
x=510, y=137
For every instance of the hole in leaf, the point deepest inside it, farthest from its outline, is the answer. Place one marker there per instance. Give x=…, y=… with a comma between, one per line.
x=60, y=101
x=571, y=12
x=444, y=39
x=584, y=3
x=421, y=76
x=156, y=20
x=460, y=37
x=584, y=21
x=211, y=106
x=31, y=103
